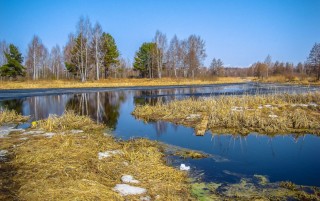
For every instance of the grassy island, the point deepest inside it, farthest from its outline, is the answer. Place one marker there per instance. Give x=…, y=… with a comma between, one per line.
x=266, y=114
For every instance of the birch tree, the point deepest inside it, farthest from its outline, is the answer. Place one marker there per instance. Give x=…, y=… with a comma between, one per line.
x=96, y=48
x=56, y=61
x=174, y=55
x=161, y=40
x=4, y=48
x=37, y=56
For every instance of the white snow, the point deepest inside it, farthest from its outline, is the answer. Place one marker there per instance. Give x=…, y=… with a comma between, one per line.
x=3, y=154
x=129, y=179
x=234, y=108
x=193, y=116
x=49, y=135
x=35, y=132
x=107, y=154
x=273, y=116
x=145, y=198
x=183, y=167
x=76, y=131
x=125, y=189
x=5, y=130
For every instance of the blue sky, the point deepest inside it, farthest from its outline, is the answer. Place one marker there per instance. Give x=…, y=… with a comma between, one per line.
x=239, y=32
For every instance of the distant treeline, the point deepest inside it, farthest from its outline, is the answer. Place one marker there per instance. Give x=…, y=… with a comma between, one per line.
x=92, y=54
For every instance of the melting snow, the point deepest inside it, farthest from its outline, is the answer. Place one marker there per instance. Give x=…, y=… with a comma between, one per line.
x=129, y=179
x=76, y=131
x=107, y=154
x=273, y=116
x=125, y=189
x=184, y=167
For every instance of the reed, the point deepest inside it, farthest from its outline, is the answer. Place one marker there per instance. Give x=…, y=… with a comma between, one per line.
x=11, y=116
x=266, y=114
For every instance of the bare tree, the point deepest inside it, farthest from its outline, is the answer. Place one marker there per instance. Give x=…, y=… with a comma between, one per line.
x=314, y=59
x=37, y=58
x=173, y=55
x=96, y=47
x=56, y=61
x=4, y=48
x=268, y=62
x=161, y=40
x=196, y=53
x=216, y=67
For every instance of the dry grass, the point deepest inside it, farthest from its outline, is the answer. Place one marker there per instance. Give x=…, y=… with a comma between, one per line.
x=266, y=114
x=11, y=116
x=111, y=82
x=69, y=121
x=67, y=167
x=291, y=80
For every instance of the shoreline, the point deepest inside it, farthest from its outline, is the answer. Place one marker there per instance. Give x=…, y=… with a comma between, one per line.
x=115, y=83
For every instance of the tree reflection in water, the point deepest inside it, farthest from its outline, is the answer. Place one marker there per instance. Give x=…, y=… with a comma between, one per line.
x=101, y=106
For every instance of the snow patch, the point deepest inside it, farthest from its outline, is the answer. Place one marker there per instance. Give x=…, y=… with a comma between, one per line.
x=107, y=154
x=35, y=132
x=273, y=116
x=49, y=135
x=3, y=154
x=129, y=179
x=145, y=198
x=125, y=189
x=183, y=167
x=76, y=131
x=5, y=130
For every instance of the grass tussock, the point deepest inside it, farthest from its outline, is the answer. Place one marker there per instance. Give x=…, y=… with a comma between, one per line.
x=266, y=114
x=68, y=121
x=67, y=167
x=112, y=82
x=11, y=116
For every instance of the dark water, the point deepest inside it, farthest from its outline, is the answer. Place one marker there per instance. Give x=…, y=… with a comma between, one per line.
x=289, y=157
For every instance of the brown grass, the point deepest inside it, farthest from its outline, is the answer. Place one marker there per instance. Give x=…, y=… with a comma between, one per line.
x=11, y=116
x=291, y=80
x=112, y=82
x=266, y=114
x=66, y=166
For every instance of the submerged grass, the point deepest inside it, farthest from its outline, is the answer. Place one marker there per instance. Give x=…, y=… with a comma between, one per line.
x=67, y=166
x=266, y=114
x=11, y=116
x=115, y=82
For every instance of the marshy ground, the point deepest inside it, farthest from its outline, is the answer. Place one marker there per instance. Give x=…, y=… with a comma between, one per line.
x=265, y=114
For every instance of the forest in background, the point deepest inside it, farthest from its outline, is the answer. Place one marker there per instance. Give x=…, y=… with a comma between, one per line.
x=92, y=54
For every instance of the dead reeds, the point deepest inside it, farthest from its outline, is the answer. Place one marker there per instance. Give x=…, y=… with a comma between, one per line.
x=266, y=114
x=11, y=116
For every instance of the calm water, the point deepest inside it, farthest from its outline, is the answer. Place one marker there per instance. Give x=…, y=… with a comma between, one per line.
x=280, y=158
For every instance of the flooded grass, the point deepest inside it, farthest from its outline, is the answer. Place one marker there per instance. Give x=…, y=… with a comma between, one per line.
x=119, y=82
x=249, y=189
x=265, y=114
x=75, y=165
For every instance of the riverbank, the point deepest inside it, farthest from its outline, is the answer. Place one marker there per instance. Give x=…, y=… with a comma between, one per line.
x=116, y=82
x=71, y=158
x=265, y=114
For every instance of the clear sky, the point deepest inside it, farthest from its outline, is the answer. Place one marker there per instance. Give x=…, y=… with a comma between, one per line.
x=239, y=32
